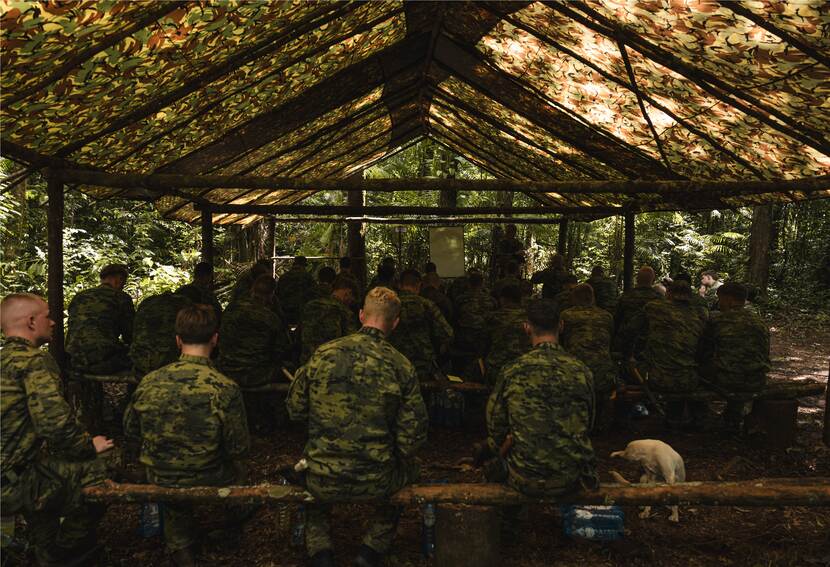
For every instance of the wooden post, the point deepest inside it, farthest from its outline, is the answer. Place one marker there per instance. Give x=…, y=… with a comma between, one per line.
x=356, y=240
x=628, y=251
x=562, y=243
x=55, y=263
x=207, y=235
x=827, y=410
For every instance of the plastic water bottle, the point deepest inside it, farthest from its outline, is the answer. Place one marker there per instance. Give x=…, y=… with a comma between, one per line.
x=283, y=514
x=298, y=531
x=428, y=530
x=639, y=411
x=150, y=525
x=593, y=523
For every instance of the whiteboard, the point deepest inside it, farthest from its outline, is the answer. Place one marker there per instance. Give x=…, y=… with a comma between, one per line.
x=446, y=249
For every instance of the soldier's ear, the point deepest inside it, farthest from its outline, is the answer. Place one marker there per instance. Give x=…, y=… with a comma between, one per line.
x=362, y=317
x=178, y=342
x=561, y=325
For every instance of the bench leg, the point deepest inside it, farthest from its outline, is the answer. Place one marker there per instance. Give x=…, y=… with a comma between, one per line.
x=467, y=536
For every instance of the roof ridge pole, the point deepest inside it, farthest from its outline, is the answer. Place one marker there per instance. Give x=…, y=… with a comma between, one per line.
x=54, y=254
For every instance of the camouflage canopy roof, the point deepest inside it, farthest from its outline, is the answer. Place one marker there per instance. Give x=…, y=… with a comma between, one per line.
x=543, y=90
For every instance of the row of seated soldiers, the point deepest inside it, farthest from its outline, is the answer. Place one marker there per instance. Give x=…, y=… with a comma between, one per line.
x=357, y=396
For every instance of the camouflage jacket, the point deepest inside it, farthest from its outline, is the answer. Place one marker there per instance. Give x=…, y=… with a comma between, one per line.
x=154, y=332
x=562, y=301
x=587, y=336
x=323, y=320
x=711, y=296
x=630, y=304
x=422, y=332
x=33, y=409
x=672, y=331
x=472, y=310
x=242, y=287
x=253, y=342
x=295, y=288
x=605, y=293
x=440, y=299
x=366, y=417
x=100, y=318
x=190, y=419
x=735, y=349
x=507, y=340
x=551, y=281
x=503, y=283
x=544, y=399
x=201, y=295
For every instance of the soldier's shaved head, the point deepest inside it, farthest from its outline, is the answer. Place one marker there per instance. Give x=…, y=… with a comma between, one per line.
x=381, y=309
x=582, y=295
x=645, y=277
x=26, y=315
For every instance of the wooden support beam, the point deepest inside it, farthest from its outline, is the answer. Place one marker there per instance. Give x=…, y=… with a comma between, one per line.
x=433, y=221
x=399, y=210
x=355, y=240
x=207, y=236
x=54, y=254
x=628, y=251
x=562, y=241
x=673, y=187
x=767, y=493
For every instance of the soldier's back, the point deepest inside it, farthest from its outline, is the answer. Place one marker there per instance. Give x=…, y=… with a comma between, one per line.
x=605, y=292
x=294, y=288
x=413, y=335
x=201, y=295
x=324, y=319
x=740, y=349
x=249, y=337
x=94, y=315
x=508, y=340
x=154, y=331
x=440, y=299
x=586, y=335
x=674, y=332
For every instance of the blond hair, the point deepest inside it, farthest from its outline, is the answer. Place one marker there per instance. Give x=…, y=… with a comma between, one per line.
x=383, y=303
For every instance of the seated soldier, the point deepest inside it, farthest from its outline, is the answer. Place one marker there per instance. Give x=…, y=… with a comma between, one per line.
x=347, y=271
x=200, y=290
x=605, y=289
x=586, y=334
x=242, y=287
x=539, y=415
x=362, y=441
x=422, y=334
x=327, y=318
x=507, y=338
x=698, y=302
x=472, y=309
x=431, y=289
x=708, y=290
x=253, y=348
x=509, y=250
x=673, y=329
x=562, y=300
x=99, y=333
x=551, y=277
x=295, y=288
x=46, y=457
x=325, y=277
x=511, y=277
x=631, y=304
x=387, y=275
x=191, y=422
x=735, y=349
x=154, y=332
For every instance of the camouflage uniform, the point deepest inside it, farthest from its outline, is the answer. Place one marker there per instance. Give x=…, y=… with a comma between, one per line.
x=605, y=292
x=323, y=320
x=154, y=332
x=700, y=305
x=295, y=288
x=242, y=287
x=551, y=280
x=544, y=399
x=472, y=309
x=504, y=282
x=421, y=334
x=507, y=340
x=99, y=320
x=631, y=304
x=366, y=418
x=201, y=295
x=191, y=422
x=735, y=350
x=440, y=299
x=562, y=301
x=46, y=456
x=711, y=296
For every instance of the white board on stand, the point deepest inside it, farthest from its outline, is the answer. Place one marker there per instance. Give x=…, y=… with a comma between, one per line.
x=446, y=249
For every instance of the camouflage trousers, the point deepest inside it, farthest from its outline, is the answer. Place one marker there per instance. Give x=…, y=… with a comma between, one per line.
x=180, y=528
x=48, y=490
x=384, y=519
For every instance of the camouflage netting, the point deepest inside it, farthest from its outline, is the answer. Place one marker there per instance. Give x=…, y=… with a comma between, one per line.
x=545, y=91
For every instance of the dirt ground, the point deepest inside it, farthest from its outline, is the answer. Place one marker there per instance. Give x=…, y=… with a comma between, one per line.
x=704, y=536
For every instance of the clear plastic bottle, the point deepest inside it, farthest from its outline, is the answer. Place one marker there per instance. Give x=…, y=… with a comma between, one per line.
x=150, y=525
x=283, y=514
x=593, y=523
x=428, y=530
x=298, y=530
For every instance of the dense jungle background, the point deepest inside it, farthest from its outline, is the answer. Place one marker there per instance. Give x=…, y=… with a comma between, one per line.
x=795, y=274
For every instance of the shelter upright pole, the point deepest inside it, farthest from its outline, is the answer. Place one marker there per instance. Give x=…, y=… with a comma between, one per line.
x=628, y=251
x=55, y=262
x=355, y=239
x=207, y=235
x=562, y=243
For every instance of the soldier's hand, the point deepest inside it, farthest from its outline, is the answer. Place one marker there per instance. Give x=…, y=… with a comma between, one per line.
x=102, y=444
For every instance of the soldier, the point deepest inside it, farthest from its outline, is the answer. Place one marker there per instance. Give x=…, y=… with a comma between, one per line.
x=253, y=347
x=200, y=290
x=507, y=337
x=347, y=271
x=698, y=302
x=431, y=289
x=366, y=419
x=472, y=309
x=98, y=338
x=708, y=290
x=735, y=349
x=539, y=415
x=511, y=277
x=605, y=289
x=387, y=275
x=630, y=304
x=325, y=277
x=672, y=329
x=551, y=277
x=46, y=457
x=562, y=300
x=243, y=285
x=327, y=318
x=423, y=334
x=295, y=288
x=191, y=422
x=154, y=332
x=586, y=334
x=509, y=249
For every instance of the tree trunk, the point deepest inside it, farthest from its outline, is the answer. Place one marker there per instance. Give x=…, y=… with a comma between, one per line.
x=760, y=239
